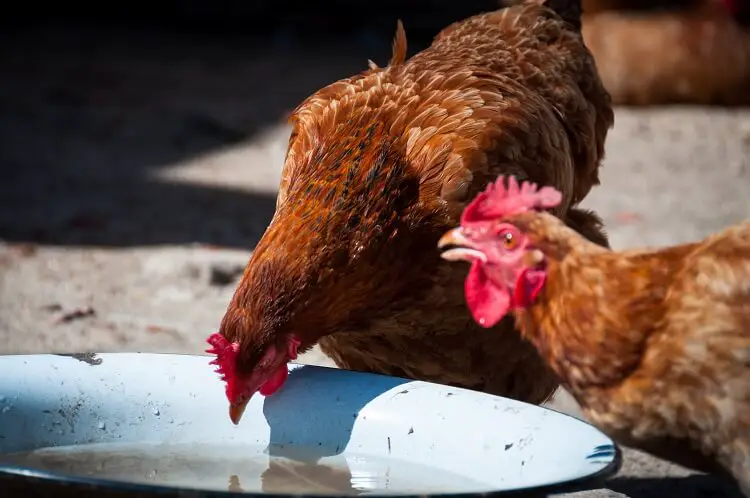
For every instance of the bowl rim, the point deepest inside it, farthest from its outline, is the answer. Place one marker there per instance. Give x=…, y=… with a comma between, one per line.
x=12, y=472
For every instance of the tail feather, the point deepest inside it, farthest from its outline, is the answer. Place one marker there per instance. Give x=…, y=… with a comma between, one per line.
x=399, y=45
x=569, y=10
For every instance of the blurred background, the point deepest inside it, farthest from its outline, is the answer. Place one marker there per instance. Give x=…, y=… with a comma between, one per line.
x=141, y=145
x=141, y=148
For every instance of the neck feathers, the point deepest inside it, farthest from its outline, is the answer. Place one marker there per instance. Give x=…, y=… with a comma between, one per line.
x=581, y=321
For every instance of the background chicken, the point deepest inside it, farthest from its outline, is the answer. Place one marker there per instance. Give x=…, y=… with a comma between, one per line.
x=695, y=52
x=597, y=6
x=378, y=167
x=670, y=51
x=654, y=344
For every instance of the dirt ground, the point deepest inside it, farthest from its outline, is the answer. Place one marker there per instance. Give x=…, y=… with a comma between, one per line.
x=139, y=170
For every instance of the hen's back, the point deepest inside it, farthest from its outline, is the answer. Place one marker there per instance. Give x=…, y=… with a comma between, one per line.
x=539, y=46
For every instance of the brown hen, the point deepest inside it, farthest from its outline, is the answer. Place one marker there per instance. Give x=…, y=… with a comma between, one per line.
x=379, y=165
x=653, y=344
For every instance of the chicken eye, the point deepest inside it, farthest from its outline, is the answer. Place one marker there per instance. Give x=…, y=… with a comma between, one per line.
x=509, y=241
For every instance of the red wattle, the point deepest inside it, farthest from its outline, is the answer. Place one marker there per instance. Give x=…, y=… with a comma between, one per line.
x=487, y=302
x=528, y=287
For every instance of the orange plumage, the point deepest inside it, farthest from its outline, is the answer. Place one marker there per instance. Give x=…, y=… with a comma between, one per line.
x=379, y=165
x=654, y=344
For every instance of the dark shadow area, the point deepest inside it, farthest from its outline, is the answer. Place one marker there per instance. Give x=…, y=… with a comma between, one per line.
x=694, y=486
x=311, y=20
x=98, y=104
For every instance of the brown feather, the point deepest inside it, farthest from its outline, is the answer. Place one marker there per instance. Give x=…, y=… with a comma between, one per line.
x=654, y=344
x=399, y=45
x=382, y=163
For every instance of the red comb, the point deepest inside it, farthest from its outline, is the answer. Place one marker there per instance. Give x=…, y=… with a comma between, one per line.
x=498, y=201
x=226, y=355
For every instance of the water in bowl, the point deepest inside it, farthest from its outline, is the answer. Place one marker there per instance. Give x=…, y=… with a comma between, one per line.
x=242, y=468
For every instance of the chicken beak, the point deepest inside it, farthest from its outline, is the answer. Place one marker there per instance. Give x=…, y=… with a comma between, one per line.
x=236, y=410
x=463, y=249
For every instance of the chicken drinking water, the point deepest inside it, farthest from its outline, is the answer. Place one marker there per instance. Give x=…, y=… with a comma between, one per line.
x=379, y=166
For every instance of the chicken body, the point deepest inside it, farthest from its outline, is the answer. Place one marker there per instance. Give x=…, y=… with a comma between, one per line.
x=379, y=165
x=654, y=344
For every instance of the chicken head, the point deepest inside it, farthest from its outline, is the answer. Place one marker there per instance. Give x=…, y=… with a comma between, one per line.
x=507, y=271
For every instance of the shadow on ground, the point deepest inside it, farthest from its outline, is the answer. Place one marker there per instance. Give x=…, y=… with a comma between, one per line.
x=93, y=112
x=99, y=114
x=694, y=486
